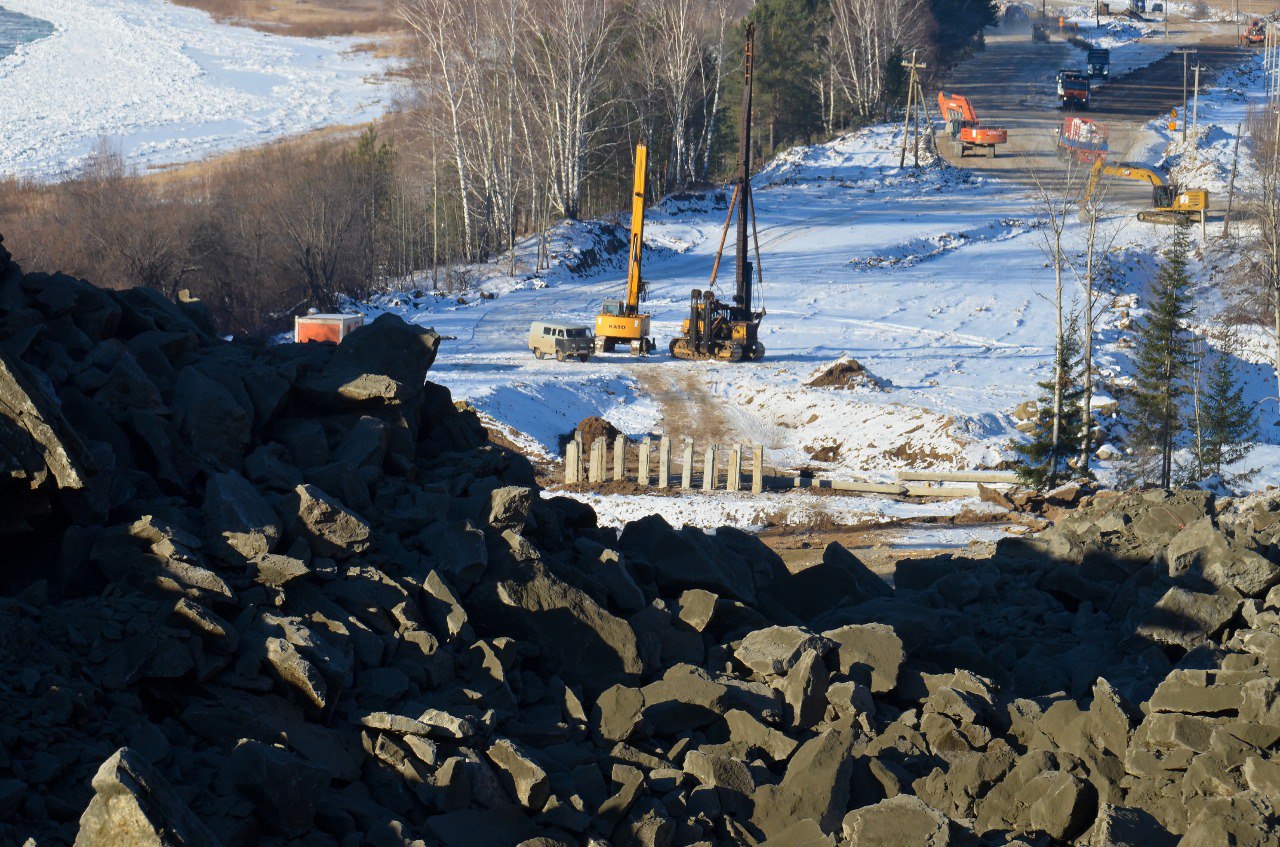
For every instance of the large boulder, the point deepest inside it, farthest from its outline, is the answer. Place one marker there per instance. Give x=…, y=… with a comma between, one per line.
x=133, y=806
x=285, y=790
x=383, y=362
x=240, y=522
x=329, y=527
x=903, y=821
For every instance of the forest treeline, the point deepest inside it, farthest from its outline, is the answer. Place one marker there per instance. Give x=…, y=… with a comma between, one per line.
x=518, y=113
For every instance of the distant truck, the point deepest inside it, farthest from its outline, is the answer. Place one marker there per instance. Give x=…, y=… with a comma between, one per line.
x=1083, y=140
x=1099, y=62
x=1073, y=89
x=562, y=340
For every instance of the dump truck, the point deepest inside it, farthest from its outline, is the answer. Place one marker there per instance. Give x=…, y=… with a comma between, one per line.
x=622, y=321
x=1098, y=62
x=963, y=125
x=715, y=329
x=1083, y=140
x=1073, y=89
x=1169, y=203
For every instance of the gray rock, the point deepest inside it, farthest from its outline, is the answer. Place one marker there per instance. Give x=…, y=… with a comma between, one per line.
x=509, y=508
x=772, y=652
x=285, y=790
x=804, y=690
x=648, y=825
x=903, y=821
x=276, y=571
x=1185, y=618
x=1120, y=826
x=872, y=653
x=804, y=833
x=519, y=774
x=815, y=786
x=459, y=550
x=729, y=777
x=748, y=734
x=211, y=422
x=133, y=806
x=1204, y=550
x=239, y=521
x=593, y=646
x=840, y=578
x=618, y=713
x=325, y=524
x=1201, y=692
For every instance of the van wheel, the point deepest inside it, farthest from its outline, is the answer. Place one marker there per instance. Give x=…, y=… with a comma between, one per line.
x=538, y=354
x=559, y=355
x=584, y=357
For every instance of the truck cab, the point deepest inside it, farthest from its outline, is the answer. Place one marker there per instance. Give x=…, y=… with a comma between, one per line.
x=1099, y=62
x=562, y=340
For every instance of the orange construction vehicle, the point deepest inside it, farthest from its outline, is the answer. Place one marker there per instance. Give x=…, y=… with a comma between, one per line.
x=1255, y=35
x=964, y=126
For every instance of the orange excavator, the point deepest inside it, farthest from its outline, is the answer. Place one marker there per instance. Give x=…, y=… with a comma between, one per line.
x=1255, y=35
x=964, y=126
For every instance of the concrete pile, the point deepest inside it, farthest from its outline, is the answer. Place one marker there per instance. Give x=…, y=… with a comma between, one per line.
x=290, y=595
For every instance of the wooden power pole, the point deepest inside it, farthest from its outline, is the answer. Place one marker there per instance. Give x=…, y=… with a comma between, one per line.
x=915, y=103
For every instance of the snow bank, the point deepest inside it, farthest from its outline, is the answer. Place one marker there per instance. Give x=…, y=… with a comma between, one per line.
x=168, y=84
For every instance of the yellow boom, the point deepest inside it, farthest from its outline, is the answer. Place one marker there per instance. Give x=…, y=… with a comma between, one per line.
x=620, y=321
x=1169, y=205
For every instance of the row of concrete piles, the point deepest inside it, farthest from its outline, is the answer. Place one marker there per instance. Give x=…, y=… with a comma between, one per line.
x=604, y=464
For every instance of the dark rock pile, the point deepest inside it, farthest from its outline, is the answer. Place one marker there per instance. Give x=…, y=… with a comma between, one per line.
x=289, y=595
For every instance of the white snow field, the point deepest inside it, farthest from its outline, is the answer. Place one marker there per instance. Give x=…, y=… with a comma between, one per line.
x=933, y=278
x=167, y=84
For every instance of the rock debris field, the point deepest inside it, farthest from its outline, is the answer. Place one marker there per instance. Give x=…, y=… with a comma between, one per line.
x=291, y=595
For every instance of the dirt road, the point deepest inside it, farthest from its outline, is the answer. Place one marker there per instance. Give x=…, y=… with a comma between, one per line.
x=1012, y=84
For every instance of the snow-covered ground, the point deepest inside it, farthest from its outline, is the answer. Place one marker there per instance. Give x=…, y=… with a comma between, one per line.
x=167, y=84
x=792, y=508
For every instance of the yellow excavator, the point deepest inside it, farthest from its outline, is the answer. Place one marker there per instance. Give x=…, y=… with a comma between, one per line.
x=621, y=321
x=1170, y=205
x=715, y=329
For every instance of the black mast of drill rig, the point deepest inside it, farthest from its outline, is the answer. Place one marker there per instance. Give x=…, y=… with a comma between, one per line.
x=742, y=300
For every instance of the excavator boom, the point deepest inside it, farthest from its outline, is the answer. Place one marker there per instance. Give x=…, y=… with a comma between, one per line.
x=621, y=321
x=1168, y=203
x=635, y=283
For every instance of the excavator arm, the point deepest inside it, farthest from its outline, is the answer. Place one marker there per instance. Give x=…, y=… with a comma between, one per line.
x=956, y=107
x=635, y=282
x=1135, y=172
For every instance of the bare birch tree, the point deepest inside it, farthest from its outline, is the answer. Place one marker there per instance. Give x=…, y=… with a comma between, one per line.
x=863, y=36
x=1055, y=196
x=569, y=45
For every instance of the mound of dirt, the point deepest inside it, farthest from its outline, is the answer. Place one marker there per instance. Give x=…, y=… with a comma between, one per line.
x=844, y=373
x=595, y=427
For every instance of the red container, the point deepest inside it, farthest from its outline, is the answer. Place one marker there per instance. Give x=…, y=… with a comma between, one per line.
x=325, y=327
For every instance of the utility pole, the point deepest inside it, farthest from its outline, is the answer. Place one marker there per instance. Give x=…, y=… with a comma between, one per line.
x=1195, y=102
x=1231, y=186
x=1185, y=52
x=915, y=102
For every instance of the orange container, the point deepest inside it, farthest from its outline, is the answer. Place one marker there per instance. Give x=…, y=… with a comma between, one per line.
x=325, y=327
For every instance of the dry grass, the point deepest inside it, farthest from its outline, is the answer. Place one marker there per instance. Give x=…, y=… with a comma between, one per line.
x=307, y=18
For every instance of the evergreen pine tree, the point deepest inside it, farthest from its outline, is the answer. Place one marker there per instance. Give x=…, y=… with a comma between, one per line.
x=786, y=64
x=1163, y=356
x=1043, y=465
x=1227, y=420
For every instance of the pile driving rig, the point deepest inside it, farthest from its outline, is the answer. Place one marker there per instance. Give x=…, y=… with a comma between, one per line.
x=715, y=329
x=621, y=321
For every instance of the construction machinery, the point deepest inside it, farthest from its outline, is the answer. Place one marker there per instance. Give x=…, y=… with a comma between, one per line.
x=621, y=321
x=1098, y=63
x=1170, y=204
x=964, y=126
x=715, y=329
x=1083, y=140
x=1255, y=35
x=1073, y=89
